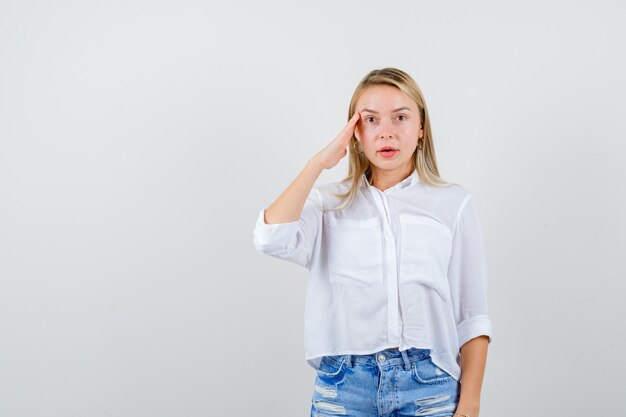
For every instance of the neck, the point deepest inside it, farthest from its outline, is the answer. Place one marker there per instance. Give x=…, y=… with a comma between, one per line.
x=383, y=179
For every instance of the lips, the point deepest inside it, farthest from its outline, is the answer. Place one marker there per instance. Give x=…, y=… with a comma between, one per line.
x=387, y=152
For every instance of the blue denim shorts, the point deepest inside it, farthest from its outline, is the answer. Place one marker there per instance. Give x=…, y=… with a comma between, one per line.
x=389, y=383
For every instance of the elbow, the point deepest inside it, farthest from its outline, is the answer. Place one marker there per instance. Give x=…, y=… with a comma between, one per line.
x=264, y=248
x=272, y=247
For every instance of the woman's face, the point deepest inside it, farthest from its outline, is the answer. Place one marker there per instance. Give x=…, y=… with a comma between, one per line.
x=389, y=119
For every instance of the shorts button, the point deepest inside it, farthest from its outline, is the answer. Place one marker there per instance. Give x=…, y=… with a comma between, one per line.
x=381, y=357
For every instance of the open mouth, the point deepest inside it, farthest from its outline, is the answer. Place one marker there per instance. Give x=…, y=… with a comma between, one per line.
x=387, y=150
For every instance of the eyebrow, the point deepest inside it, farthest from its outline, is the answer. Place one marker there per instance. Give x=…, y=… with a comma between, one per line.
x=375, y=112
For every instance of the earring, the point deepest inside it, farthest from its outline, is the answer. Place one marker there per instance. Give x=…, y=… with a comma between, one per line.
x=420, y=144
x=354, y=146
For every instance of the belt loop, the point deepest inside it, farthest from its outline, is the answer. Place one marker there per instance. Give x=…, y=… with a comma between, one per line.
x=407, y=364
x=349, y=360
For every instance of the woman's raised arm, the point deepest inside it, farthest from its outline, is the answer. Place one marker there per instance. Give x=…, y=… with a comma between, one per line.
x=288, y=206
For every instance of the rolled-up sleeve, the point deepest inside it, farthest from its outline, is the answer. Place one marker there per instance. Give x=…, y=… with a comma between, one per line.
x=293, y=241
x=467, y=276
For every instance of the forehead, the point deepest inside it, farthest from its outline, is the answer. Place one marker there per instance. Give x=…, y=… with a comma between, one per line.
x=384, y=98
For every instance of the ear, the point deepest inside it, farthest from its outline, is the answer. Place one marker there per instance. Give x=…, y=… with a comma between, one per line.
x=421, y=133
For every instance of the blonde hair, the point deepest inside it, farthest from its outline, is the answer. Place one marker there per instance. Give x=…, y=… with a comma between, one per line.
x=424, y=159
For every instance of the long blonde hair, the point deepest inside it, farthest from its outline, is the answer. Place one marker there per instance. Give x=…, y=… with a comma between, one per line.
x=424, y=159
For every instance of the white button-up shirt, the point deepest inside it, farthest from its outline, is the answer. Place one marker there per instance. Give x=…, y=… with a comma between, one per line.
x=404, y=267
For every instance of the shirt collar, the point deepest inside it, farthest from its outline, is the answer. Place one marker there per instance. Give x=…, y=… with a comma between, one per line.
x=411, y=179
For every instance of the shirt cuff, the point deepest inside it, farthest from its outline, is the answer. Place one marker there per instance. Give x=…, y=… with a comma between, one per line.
x=265, y=233
x=474, y=327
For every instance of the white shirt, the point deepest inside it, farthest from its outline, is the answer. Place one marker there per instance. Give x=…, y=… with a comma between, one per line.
x=404, y=267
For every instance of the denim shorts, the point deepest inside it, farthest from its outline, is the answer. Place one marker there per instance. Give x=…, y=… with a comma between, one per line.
x=389, y=383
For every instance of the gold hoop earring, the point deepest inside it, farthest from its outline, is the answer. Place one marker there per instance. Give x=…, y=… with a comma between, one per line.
x=420, y=144
x=354, y=146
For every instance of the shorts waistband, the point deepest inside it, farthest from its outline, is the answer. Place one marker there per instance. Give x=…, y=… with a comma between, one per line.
x=383, y=358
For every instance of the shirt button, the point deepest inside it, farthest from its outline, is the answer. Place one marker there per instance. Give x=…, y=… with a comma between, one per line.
x=381, y=357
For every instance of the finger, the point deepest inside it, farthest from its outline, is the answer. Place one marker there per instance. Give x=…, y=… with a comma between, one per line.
x=352, y=122
x=355, y=118
x=349, y=128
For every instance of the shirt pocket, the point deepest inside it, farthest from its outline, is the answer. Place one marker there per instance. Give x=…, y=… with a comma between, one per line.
x=355, y=251
x=425, y=249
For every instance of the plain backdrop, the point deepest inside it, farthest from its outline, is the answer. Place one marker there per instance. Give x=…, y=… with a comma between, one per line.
x=140, y=139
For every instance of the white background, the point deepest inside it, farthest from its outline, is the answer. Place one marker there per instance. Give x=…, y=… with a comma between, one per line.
x=140, y=139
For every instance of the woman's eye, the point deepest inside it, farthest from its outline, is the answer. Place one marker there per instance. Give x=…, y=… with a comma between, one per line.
x=403, y=117
x=368, y=118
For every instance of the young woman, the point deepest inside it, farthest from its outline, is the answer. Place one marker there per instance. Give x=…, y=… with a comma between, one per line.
x=396, y=305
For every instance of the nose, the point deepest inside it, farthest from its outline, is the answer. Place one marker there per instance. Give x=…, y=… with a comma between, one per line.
x=386, y=130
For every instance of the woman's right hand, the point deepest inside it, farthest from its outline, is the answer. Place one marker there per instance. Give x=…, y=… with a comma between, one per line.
x=337, y=148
